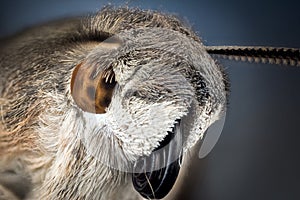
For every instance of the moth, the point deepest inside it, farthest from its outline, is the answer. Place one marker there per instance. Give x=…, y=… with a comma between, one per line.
x=109, y=106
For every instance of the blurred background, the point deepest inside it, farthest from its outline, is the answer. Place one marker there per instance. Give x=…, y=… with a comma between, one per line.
x=258, y=153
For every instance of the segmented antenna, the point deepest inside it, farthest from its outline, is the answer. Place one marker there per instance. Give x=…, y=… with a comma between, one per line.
x=259, y=54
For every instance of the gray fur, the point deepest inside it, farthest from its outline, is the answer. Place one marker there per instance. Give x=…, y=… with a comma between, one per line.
x=163, y=73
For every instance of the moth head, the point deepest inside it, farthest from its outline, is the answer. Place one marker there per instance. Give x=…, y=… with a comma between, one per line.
x=143, y=91
x=149, y=92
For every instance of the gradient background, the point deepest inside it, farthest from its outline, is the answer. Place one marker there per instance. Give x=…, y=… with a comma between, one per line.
x=258, y=153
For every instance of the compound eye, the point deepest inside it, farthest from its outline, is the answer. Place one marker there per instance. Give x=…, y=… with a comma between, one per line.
x=92, y=94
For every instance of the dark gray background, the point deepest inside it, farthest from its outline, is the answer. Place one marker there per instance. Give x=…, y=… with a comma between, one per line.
x=257, y=156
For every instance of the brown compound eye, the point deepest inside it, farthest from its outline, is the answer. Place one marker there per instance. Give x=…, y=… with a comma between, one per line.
x=92, y=94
